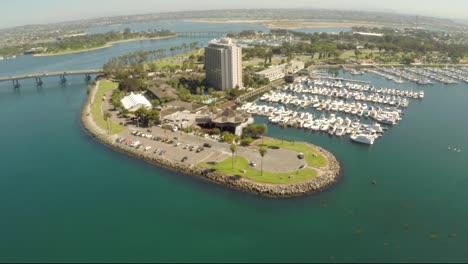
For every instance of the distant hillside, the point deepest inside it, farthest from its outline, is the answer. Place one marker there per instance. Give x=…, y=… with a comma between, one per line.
x=299, y=14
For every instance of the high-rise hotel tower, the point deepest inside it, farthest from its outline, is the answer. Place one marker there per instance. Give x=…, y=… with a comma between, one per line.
x=223, y=64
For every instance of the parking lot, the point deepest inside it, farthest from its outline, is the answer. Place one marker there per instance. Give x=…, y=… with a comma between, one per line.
x=172, y=146
x=181, y=146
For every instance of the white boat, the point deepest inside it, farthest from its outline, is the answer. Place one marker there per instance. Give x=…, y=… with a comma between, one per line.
x=341, y=131
x=363, y=138
x=324, y=127
x=315, y=126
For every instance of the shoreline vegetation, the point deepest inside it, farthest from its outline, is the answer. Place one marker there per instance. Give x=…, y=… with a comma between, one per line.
x=84, y=42
x=327, y=170
x=107, y=45
x=291, y=24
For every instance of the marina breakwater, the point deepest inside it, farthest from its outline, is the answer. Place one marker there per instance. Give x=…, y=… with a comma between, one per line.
x=327, y=177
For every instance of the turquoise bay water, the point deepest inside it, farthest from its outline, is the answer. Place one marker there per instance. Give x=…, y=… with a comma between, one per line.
x=65, y=197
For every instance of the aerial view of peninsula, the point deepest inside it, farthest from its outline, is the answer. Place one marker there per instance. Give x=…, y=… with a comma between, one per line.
x=234, y=131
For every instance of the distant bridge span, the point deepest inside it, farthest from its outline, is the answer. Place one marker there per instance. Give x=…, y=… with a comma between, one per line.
x=203, y=34
x=48, y=74
x=62, y=74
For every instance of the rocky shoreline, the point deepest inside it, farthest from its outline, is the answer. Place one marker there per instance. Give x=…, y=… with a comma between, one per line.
x=323, y=181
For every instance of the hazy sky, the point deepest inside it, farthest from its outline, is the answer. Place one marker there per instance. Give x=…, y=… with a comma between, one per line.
x=20, y=12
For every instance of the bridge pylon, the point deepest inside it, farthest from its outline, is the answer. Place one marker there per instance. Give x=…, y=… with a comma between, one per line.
x=16, y=84
x=39, y=81
x=63, y=80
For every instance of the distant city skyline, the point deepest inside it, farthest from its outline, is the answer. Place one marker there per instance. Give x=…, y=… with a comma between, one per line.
x=23, y=12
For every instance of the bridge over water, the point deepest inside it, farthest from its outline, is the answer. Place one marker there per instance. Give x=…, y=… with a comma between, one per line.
x=202, y=34
x=61, y=74
x=87, y=73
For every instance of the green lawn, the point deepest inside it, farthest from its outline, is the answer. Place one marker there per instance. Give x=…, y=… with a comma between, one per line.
x=96, y=108
x=309, y=151
x=276, y=60
x=347, y=54
x=70, y=51
x=255, y=173
x=176, y=60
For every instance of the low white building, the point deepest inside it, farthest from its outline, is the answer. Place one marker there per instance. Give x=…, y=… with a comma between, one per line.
x=277, y=72
x=368, y=34
x=134, y=102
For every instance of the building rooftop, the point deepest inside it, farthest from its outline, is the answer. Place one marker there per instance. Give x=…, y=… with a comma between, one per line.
x=134, y=101
x=192, y=107
x=222, y=42
x=163, y=91
x=368, y=34
x=231, y=116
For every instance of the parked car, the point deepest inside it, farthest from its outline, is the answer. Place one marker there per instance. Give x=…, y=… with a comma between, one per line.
x=200, y=150
x=301, y=156
x=184, y=159
x=207, y=145
x=252, y=164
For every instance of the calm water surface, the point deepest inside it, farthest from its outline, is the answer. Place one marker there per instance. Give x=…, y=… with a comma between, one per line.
x=65, y=197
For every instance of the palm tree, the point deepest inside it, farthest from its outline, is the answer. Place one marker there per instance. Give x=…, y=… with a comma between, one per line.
x=233, y=150
x=107, y=116
x=263, y=152
x=184, y=46
x=283, y=126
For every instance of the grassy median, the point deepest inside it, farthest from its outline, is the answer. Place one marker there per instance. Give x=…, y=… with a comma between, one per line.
x=96, y=108
x=312, y=155
x=255, y=173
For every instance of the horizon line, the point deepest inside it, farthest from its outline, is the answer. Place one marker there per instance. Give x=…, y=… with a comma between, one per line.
x=226, y=9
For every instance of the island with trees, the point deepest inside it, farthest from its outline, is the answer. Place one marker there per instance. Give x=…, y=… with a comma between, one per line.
x=84, y=42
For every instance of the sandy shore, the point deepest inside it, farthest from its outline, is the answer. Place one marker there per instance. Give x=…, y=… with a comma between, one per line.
x=327, y=177
x=108, y=45
x=292, y=24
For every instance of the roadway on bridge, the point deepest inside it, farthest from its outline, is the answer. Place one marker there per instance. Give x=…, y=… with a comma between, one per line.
x=48, y=74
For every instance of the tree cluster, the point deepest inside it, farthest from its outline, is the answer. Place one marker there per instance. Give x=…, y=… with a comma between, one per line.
x=255, y=130
x=147, y=117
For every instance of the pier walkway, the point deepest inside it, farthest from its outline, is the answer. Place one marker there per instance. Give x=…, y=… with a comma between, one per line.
x=259, y=91
x=346, y=80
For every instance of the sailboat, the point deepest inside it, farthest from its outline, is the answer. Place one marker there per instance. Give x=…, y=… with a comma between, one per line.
x=400, y=81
